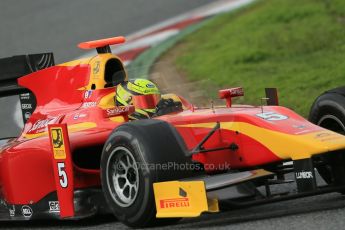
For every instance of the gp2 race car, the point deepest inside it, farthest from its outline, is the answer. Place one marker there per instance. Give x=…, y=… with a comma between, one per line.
x=79, y=155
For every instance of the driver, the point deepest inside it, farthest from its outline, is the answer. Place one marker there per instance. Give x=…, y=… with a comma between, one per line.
x=146, y=98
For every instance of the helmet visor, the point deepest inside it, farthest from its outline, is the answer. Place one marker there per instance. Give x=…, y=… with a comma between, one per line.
x=145, y=101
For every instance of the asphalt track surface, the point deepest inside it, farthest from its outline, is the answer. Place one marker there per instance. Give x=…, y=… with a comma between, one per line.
x=59, y=25
x=39, y=25
x=36, y=26
x=318, y=212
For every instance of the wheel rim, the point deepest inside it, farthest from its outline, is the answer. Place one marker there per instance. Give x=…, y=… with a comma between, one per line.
x=122, y=176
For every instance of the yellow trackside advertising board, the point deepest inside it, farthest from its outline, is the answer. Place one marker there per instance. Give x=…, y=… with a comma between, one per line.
x=182, y=199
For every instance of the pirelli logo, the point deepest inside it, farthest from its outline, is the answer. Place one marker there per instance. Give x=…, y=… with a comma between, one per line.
x=58, y=143
x=175, y=203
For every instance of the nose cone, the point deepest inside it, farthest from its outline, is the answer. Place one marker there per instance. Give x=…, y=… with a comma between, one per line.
x=288, y=145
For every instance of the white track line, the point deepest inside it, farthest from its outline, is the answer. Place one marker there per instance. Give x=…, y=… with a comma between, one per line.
x=217, y=7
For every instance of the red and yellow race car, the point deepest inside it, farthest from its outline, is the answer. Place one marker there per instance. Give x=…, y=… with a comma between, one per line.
x=80, y=154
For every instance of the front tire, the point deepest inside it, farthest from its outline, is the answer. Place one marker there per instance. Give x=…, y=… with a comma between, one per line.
x=132, y=161
x=328, y=111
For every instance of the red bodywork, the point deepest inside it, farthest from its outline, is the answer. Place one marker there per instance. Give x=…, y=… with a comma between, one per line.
x=63, y=97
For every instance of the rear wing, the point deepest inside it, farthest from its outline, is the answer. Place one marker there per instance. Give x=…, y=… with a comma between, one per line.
x=12, y=68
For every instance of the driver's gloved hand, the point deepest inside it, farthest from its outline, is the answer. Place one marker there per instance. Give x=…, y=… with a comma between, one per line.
x=166, y=106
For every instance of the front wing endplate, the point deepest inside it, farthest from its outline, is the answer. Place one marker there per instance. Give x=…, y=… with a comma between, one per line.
x=182, y=199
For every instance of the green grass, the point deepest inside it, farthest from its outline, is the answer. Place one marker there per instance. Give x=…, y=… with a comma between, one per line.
x=296, y=46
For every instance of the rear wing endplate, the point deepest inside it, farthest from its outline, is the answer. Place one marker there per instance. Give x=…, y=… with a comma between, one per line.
x=11, y=68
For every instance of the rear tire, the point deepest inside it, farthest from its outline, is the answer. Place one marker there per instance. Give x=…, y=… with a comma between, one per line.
x=130, y=165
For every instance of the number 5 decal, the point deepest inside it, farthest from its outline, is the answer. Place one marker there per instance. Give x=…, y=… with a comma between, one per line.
x=271, y=116
x=62, y=168
x=62, y=174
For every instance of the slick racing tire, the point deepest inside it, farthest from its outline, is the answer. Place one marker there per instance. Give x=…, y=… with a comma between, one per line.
x=328, y=111
x=131, y=162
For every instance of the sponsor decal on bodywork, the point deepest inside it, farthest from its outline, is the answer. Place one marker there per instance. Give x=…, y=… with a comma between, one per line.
x=234, y=92
x=299, y=126
x=304, y=175
x=321, y=135
x=41, y=125
x=272, y=116
x=174, y=203
x=12, y=210
x=89, y=104
x=95, y=69
x=27, y=115
x=119, y=110
x=327, y=136
x=25, y=96
x=54, y=206
x=87, y=94
x=26, y=106
x=26, y=211
x=79, y=115
x=58, y=143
